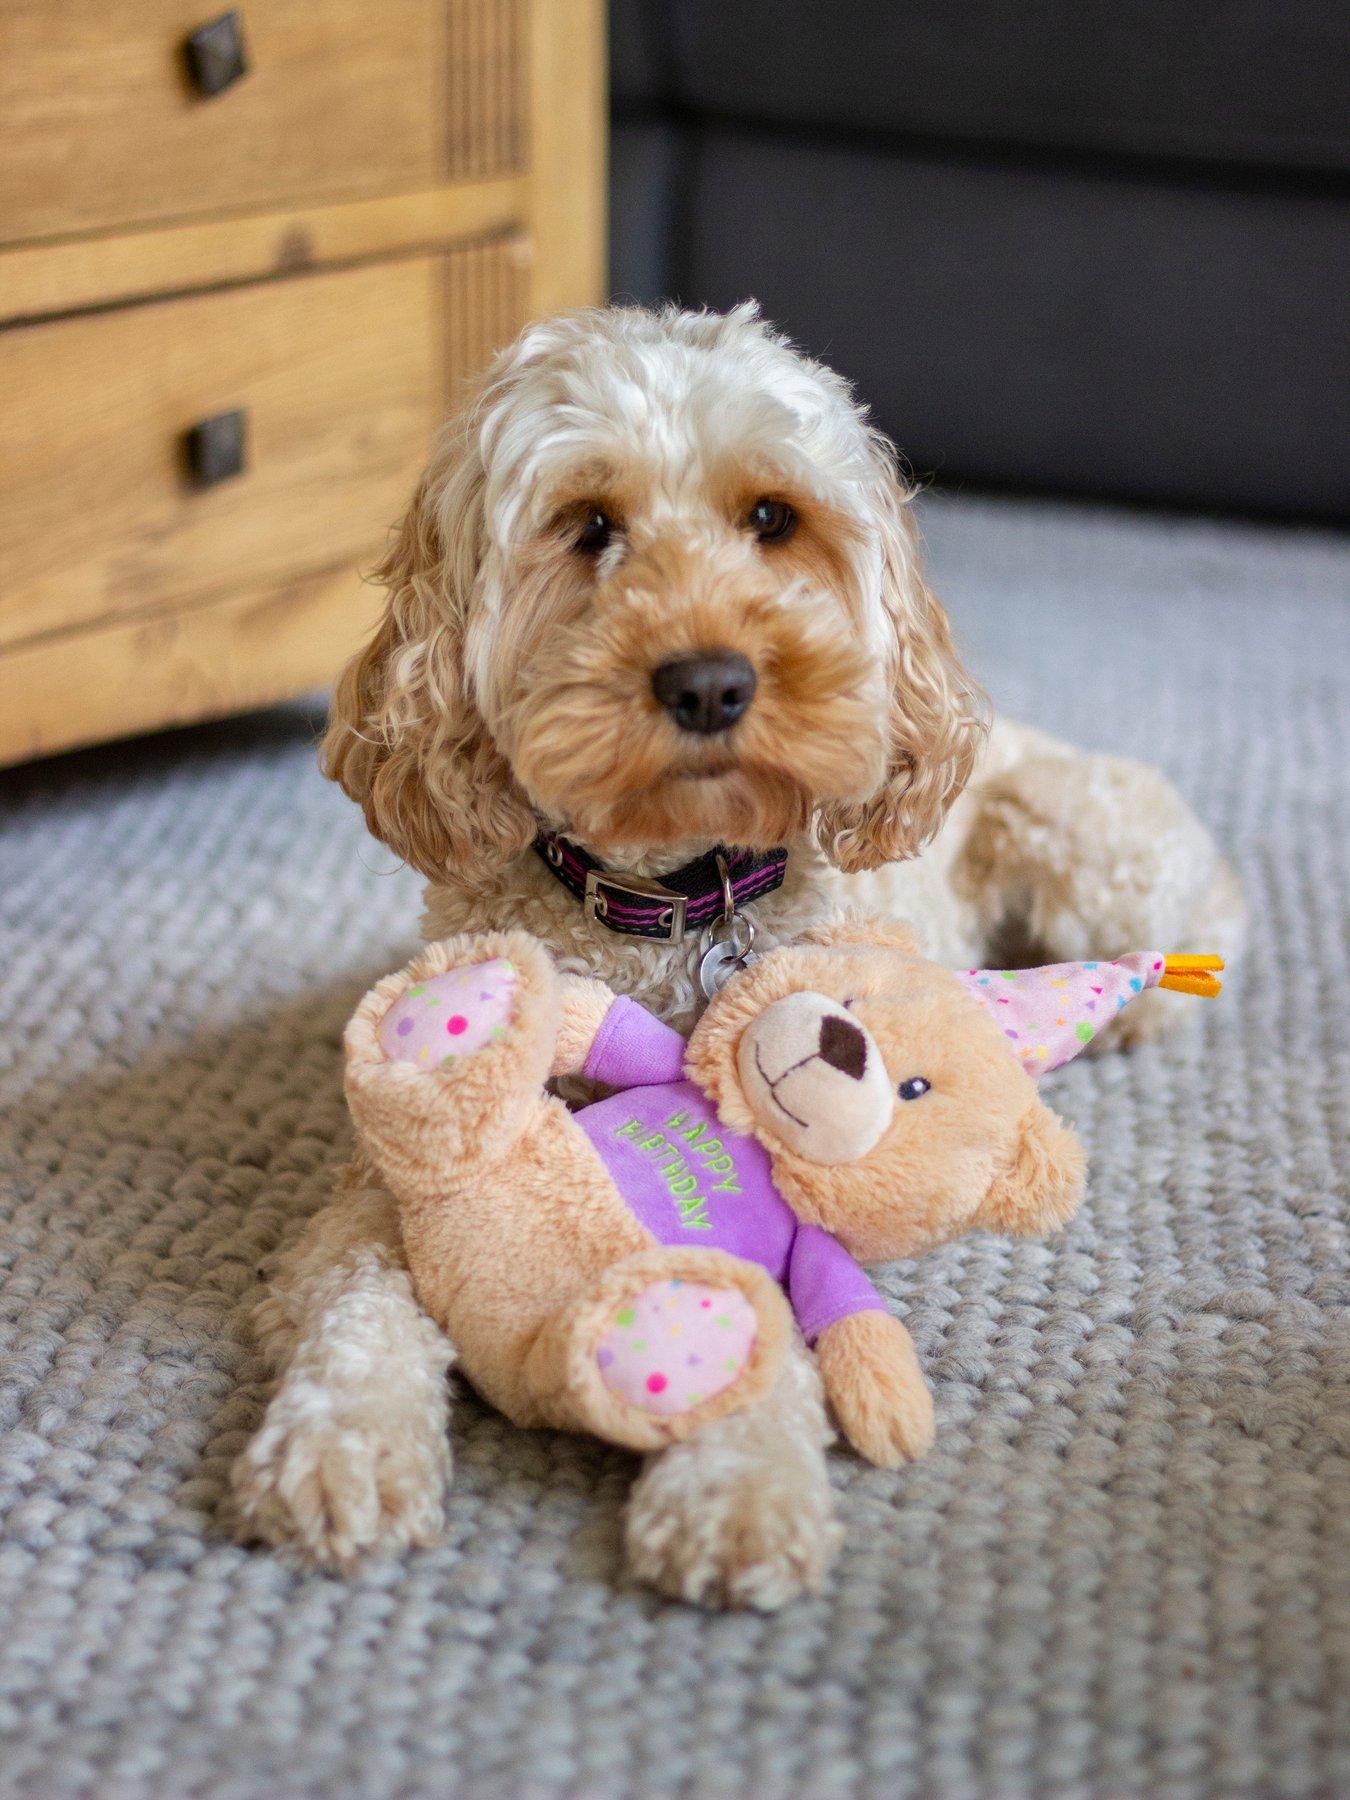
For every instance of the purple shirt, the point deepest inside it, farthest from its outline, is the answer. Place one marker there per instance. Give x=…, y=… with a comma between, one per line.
x=690, y=1180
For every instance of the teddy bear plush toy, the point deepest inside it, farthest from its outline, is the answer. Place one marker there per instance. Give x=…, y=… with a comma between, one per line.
x=634, y=1269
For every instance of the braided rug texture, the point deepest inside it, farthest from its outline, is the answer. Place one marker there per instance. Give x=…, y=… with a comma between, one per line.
x=1123, y=1570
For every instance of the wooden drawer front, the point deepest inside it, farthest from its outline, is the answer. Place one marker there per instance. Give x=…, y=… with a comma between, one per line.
x=486, y=300
x=249, y=649
x=103, y=127
x=130, y=598
x=341, y=380
x=487, y=73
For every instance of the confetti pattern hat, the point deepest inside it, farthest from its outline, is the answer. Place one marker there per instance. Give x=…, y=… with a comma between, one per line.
x=1048, y=1015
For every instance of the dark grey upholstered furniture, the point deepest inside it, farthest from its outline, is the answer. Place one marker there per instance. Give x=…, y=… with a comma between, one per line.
x=1099, y=246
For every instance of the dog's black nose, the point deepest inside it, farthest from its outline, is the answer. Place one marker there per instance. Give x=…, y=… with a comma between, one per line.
x=707, y=692
x=843, y=1046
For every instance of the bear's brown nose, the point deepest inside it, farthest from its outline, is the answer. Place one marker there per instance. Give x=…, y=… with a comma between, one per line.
x=843, y=1046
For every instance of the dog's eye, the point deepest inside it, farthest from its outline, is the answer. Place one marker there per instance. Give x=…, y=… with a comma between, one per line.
x=914, y=1089
x=771, y=520
x=597, y=529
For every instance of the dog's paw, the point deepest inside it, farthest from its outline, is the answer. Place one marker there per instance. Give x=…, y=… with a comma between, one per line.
x=339, y=1486
x=741, y=1515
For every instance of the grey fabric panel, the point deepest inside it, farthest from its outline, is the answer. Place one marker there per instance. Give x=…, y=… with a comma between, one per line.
x=640, y=67
x=1090, y=334
x=1120, y=1572
x=648, y=162
x=1254, y=82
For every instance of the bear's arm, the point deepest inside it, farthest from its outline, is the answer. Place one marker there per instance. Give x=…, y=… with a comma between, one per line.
x=876, y=1388
x=633, y=1048
x=824, y=1283
x=866, y=1360
x=585, y=1004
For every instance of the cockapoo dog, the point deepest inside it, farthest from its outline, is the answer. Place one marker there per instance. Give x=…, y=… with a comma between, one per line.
x=658, y=592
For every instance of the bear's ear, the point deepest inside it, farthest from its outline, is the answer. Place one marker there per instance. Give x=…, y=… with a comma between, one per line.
x=852, y=928
x=1040, y=1187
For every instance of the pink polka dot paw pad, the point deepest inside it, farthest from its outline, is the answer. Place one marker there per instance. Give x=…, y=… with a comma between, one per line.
x=450, y=1015
x=676, y=1344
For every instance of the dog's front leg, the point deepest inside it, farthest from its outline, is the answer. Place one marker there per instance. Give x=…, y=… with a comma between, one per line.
x=742, y=1514
x=353, y=1456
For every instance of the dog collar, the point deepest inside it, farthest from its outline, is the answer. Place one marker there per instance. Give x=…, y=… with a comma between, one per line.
x=712, y=887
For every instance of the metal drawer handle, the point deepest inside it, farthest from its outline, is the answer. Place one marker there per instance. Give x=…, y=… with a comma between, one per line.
x=216, y=56
x=217, y=448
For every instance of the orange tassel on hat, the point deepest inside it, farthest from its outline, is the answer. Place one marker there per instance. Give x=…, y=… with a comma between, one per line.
x=1193, y=975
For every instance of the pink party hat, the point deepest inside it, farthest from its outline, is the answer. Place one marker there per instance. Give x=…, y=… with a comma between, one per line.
x=1048, y=1015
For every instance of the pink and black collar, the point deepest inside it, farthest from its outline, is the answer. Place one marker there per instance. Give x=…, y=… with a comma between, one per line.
x=685, y=900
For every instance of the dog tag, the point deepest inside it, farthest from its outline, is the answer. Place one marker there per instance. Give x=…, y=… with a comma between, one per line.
x=725, y=955
x=718, y=966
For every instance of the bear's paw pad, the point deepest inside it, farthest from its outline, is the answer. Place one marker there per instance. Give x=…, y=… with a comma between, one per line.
x=450, y=1015
x=676, y=1344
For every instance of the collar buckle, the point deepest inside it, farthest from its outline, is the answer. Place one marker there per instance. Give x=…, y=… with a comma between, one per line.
x=669, y=924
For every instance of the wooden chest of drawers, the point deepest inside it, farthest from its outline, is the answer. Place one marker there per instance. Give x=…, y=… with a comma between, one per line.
x=246, y=262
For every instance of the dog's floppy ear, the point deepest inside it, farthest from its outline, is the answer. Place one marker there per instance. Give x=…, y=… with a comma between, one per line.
x=937, y=716
x=1042, y=1184
x=405, y=739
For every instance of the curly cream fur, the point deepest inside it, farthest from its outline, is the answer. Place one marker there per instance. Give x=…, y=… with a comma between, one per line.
x=510, y=679
x=353, y=1456
x=742, y=1515
x=505, y=681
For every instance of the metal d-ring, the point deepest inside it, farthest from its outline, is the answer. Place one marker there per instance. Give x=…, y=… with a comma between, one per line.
x=728, y=892
x=727, y=947
x=736, y=934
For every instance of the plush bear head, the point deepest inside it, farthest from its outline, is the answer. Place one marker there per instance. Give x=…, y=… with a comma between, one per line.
x=896, y=1110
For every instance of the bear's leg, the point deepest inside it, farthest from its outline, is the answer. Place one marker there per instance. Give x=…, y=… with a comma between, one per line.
x=666, y=1341
x=447, y=1060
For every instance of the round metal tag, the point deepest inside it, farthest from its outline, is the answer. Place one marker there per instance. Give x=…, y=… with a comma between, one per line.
x=727, y=948
x=718, y=966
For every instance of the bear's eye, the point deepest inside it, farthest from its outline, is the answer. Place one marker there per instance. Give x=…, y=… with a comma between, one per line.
x=597, y=528
x=913, y=1089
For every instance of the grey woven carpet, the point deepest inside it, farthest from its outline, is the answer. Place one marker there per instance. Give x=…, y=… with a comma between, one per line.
x=1122, y=1572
